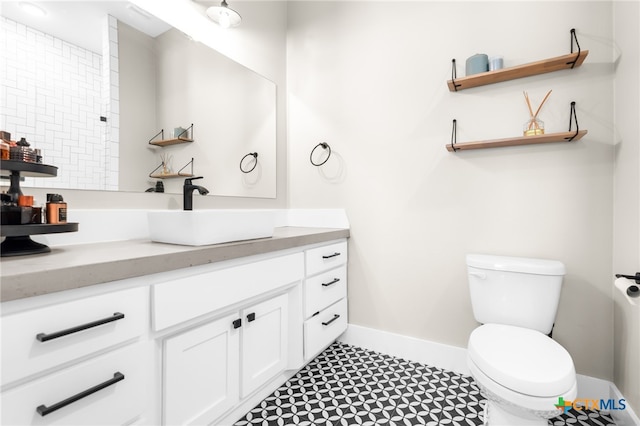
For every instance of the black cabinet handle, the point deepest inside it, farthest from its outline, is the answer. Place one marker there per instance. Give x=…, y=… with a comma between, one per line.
x=43, y=337
x=43, y=410
x=237, y=323
x=251, y=317
x=335, y=280
x=329, y=256
x=335, y=317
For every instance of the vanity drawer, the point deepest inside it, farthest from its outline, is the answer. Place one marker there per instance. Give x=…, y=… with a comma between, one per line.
x=326, y=257
x=324, y=328
x=37, y=340
x=187, y=298
x=322, y=290
x=123, y=372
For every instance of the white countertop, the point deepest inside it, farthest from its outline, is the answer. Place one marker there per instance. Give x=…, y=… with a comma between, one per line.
x=80, y=265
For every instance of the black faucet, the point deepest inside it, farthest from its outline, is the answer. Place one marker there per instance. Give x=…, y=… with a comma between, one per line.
x=187, y=192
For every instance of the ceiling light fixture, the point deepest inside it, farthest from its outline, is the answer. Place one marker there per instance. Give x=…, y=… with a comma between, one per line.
x=223, y=15
x=32, y=9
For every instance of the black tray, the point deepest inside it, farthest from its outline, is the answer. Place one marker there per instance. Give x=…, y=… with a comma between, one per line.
x=18, y=243
x=28, y=169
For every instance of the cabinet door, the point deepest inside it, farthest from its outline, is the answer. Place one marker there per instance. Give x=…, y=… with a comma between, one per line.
x=264, y=342
x=201, y=373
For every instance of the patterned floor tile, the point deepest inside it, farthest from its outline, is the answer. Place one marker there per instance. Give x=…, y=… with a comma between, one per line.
x=346, y=385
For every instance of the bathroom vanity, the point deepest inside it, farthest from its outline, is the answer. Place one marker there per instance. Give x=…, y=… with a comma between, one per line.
x=135, y=332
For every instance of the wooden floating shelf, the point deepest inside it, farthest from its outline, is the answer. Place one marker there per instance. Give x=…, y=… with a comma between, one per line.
x=512, y=73
x=166, y=142
x=171, y=175
x=522, y=140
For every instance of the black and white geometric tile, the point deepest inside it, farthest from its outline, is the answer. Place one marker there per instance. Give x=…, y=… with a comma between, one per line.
x=583, y=418
x=346, y=385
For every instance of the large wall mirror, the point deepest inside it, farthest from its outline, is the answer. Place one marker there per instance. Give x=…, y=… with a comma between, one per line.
x=105, y=91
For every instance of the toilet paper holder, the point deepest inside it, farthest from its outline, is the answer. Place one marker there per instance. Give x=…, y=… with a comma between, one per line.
x=632, y=290
x=635, y=277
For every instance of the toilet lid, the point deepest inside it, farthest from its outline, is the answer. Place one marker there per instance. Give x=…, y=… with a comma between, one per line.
x=523, y=360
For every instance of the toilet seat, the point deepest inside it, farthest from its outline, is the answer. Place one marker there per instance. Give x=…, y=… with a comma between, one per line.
x=523, y=360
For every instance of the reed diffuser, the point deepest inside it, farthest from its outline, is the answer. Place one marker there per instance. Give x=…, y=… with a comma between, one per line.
x=166, y=164
x=534, y=126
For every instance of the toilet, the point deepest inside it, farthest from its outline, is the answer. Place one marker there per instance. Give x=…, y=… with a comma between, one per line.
x=520, y=370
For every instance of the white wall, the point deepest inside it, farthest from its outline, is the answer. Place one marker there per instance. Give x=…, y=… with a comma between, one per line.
x=138, y=75
x=626, y=224
x=232, y=109
x=373, y=85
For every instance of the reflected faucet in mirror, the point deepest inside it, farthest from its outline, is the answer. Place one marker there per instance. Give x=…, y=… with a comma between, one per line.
x=187, y=192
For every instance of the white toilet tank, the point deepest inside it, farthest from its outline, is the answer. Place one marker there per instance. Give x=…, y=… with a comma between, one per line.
x=514, y=290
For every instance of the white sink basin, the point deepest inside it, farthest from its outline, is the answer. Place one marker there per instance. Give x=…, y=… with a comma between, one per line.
x=204, y=227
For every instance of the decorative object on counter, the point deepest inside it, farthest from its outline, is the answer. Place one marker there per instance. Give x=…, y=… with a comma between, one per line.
x=158, y=188
x=4, y=146
x=564, y=62
x=22, y=152
x=534, y=126
x=25, y=200
x=255, y=162
x=56, y=209
x=223, y=15
x=476, y=64
x=18, y=223
x=327, y=149
x=36, y=215
x=496, y=63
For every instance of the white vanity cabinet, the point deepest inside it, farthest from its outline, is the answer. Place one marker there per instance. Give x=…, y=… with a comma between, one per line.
x=325, y=296
x=201, y=369
x=208, y=369
x=77, y=362
x=265, y=342
x=192, y=345
x=229, y=335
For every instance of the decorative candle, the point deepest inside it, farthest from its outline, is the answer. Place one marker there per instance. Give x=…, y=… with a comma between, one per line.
x=477, y=63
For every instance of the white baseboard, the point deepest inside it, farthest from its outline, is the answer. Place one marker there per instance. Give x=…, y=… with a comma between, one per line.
x=625, y=417
x=454, y=358
x=439, y=355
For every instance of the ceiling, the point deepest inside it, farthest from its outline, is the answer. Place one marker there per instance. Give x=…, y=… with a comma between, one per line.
x=80, y=22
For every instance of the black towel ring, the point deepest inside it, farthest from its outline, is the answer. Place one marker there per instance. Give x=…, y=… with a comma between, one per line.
x=255, y=163
x=323, y=145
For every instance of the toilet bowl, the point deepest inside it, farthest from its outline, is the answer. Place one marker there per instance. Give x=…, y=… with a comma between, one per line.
x=520, y=370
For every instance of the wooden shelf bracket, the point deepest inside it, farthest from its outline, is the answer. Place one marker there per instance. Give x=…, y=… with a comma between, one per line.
x=180, y=138
x=180, y=172
x=564, y=62
x=568, y=136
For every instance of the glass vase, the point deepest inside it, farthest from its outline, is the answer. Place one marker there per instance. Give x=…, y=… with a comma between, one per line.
x=533, y=127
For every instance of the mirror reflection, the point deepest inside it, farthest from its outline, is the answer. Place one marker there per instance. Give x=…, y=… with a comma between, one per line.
x=106, y=108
